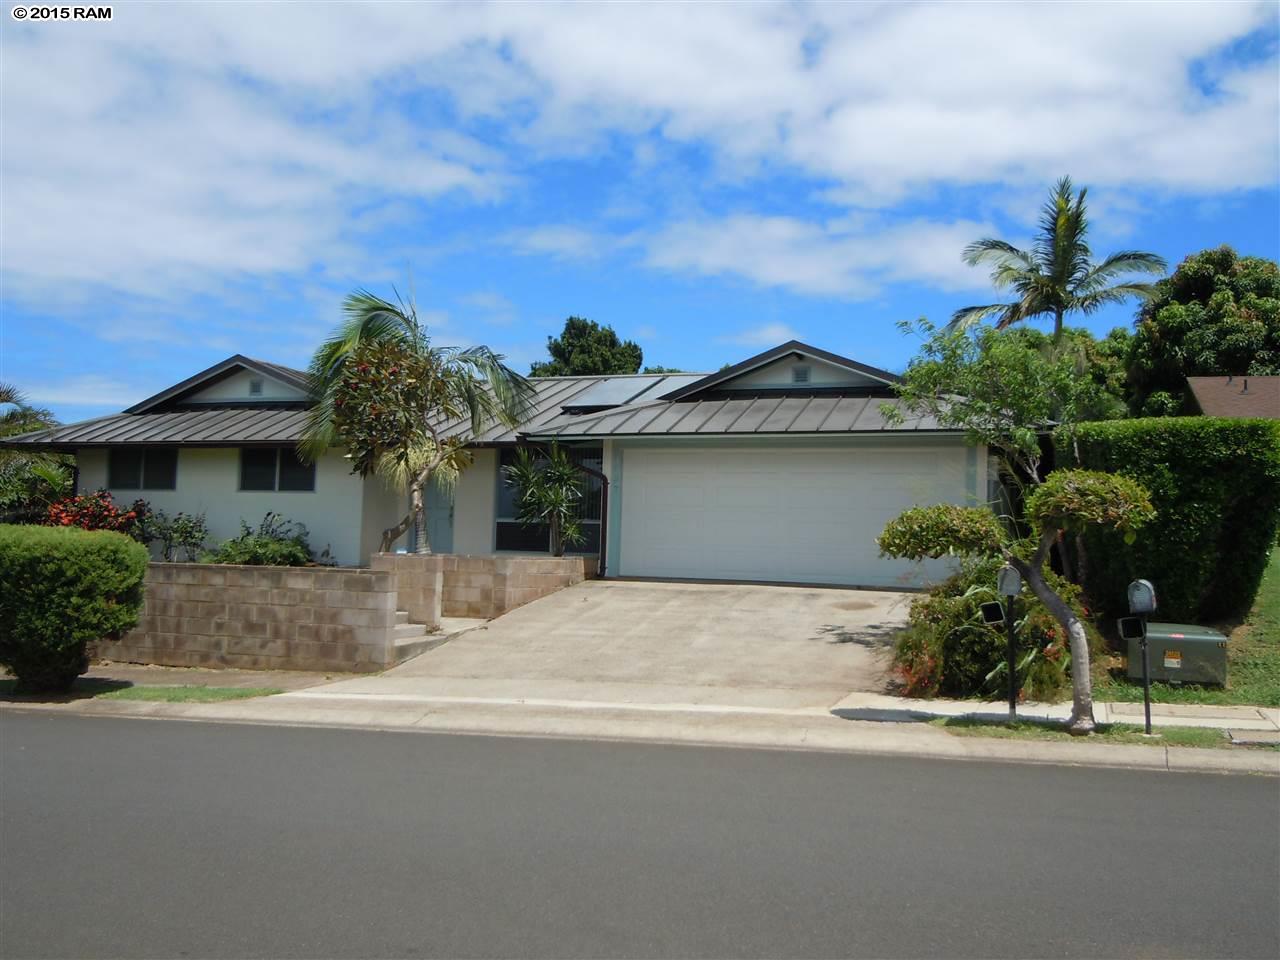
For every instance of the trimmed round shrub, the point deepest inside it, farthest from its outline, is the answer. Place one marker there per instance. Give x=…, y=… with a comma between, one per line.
x=60, y=589
x=947, y=650
x=1215, y=486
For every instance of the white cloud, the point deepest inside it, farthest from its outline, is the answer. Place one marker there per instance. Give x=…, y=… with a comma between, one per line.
x=562, y=242
x=193, y=145
x=768, y=335
x=87, y=390
x=848, y=258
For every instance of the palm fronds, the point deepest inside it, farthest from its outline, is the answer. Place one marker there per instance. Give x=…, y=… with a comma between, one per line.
x=1057, y=276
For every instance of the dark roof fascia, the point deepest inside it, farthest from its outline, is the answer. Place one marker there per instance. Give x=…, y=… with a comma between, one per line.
x=728, y=393
x=219, y=371
x=760, y=359
x=809, y=435
x=66, y=447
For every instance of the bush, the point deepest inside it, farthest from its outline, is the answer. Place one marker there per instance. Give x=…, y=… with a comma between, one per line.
x=947, y=650
x=1215, y=485
x=276, y=543
x=98, y=511
x=184, y=531
x=61, y=588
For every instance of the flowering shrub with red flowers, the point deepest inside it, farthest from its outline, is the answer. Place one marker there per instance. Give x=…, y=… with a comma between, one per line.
x=947, y=649
x=98, y=511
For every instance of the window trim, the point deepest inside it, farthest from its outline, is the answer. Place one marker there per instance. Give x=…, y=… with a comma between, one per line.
x=275, y=487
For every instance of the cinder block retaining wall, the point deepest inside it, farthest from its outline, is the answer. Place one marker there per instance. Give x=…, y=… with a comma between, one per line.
x=448, y=585
x=264, y=618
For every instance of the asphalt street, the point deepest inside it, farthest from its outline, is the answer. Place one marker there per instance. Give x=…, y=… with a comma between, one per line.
x=144, y=838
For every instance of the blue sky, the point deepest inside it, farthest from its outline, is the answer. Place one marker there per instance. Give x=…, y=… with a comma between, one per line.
x=195, y=180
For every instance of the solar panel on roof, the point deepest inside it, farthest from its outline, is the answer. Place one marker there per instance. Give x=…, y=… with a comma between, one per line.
x=610, y=393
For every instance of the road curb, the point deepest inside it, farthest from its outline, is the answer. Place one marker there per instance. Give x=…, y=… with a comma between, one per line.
x=811, y=734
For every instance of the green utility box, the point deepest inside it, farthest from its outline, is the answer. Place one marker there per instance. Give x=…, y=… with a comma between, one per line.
x=1181, y=653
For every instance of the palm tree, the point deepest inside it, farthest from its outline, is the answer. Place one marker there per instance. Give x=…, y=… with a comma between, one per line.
x=1057, y=275
x=29, y=481
x=471, y=383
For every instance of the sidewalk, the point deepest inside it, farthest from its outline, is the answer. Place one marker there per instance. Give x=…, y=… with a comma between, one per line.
x=856, y=724
x=871, y=706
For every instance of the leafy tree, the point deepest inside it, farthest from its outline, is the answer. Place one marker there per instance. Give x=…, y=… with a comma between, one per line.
x=1218, y=314
x=386, y=393
x=548, y=492
x=1057, y=276
x=662, y=370
x=1003, y=388
x=1069, y=500
x=29, y=481
x=584, y=348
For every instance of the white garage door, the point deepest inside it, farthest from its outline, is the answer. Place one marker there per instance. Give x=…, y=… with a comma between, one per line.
x=799, y=515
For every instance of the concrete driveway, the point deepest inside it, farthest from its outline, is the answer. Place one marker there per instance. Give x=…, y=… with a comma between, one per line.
x=645, y=642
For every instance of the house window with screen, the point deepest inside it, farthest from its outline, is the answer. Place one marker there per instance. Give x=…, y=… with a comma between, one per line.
x=512, y=535
x=142, y=468
x=275, y=468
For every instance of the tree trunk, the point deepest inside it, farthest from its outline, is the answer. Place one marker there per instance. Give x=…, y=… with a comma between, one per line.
x=557, y=541
x=1082, y=560
x=1057, y=325
x=392, y=534
x=1064, y=554
x=1081, y=721
x=419, y=511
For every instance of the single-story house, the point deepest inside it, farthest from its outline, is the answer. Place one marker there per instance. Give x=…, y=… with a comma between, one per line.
x=1242, y=396
x=782, y=468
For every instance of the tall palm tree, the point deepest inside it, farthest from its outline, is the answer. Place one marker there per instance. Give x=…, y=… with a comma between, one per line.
x=1057, y=276
x=471, y=383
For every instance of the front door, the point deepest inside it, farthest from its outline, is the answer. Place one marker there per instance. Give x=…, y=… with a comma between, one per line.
x=439, y=519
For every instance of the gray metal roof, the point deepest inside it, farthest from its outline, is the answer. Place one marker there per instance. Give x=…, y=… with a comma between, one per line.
x=222, y=427
x=739, y=416
x=768, y=413
x=553, y=394
x=242, y=425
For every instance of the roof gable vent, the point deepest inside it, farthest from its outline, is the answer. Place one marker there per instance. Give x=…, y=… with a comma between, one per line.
x=255, y=387
x=799, y=374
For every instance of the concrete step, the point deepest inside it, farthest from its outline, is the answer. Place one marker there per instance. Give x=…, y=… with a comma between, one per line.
x=402, y=616
x=412, y=639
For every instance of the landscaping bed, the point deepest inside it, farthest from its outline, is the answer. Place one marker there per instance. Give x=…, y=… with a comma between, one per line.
x=1253, y=661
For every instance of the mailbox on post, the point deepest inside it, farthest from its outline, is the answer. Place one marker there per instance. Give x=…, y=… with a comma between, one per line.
x=1142, y=603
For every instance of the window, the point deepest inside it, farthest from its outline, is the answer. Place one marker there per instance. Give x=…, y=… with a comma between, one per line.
x=275, y=468
x=142, y=468
x=511, y=534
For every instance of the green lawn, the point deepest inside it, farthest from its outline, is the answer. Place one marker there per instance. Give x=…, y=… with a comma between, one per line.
x=1107, y=733
x=86, y=688
x=1253, y=661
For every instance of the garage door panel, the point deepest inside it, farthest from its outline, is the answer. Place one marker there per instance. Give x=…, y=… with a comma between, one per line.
x=777, y=514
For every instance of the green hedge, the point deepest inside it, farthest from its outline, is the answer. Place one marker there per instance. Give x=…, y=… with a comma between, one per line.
x=61, y=588
x=1215, y=484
